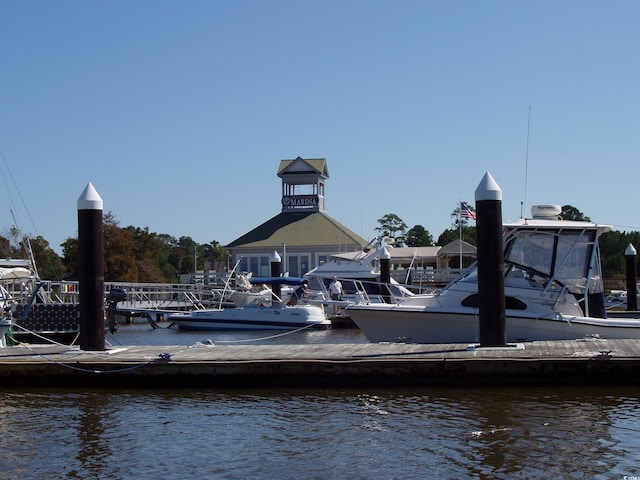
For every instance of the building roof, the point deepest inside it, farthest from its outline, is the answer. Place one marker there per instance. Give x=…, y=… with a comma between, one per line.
x=408, y=254
x=422, y=255
x=299, y=229
x=454, y=248
x=304, y=166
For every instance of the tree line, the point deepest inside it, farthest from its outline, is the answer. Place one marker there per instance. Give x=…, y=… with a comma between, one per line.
x=135, y=255
x=131, y=254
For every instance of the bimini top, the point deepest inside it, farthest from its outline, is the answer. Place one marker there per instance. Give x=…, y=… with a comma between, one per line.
x=278, y=280
x=548, y=217
x=540, y=224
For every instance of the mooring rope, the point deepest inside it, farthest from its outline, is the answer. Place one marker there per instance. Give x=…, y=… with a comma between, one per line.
x=162, y=357
x=266, y=338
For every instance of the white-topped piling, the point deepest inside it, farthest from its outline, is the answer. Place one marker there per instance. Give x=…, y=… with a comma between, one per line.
x=275, y=262
x=632, y=273
x=385, y=274
x=491, y=301
x=91, y=270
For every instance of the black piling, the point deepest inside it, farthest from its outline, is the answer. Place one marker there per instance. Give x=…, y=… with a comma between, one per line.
x=385, y=275
x=91, y=270
x=491, y=301
x=632, y=273
x=276, y=290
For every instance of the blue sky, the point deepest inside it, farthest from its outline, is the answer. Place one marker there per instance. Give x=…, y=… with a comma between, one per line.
x=179, y=112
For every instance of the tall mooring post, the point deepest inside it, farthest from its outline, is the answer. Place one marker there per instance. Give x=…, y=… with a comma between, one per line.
x=491, y=301
x=276, y=290
x=91, y=270
x=632, y=273
x=385, y=275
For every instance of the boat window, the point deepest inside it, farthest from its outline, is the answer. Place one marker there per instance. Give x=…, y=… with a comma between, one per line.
x=513, y=303
x=574, y=257
x=315, y=283
x=533, y=250
x=470, y=301
x=510, y=303
x=518, y=276
x=471, y=275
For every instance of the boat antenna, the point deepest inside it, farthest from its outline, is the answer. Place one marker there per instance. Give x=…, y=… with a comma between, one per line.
x=26, y=244
x=15, y=186
x=523, y=204
x=226, y=283
x=25, y=240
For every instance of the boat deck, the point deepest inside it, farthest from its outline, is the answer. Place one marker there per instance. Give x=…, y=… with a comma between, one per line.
x=578, y=362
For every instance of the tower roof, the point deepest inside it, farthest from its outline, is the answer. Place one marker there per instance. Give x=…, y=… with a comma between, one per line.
x=306, y=166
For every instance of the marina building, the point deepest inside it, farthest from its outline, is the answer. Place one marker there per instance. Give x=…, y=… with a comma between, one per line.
x=303, y=234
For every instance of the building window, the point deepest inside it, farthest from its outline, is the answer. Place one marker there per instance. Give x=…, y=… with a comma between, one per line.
x=293, y=265
x=265, y=267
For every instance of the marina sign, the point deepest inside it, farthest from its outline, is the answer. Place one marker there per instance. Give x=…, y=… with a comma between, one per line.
x=300, y=201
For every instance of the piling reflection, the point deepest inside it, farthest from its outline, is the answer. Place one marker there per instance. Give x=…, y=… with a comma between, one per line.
x=94, y=452
x=438, y=433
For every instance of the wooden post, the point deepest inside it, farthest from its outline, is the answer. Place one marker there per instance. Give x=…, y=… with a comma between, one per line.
x=91, y=270
x=491, y=301
x=631, y=271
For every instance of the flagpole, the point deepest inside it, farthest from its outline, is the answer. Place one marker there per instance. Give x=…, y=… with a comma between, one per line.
x=460, y=227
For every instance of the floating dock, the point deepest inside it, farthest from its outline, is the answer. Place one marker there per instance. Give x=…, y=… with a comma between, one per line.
x=546, y=363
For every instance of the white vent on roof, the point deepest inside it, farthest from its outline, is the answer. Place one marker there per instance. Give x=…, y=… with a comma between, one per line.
x=546, y=212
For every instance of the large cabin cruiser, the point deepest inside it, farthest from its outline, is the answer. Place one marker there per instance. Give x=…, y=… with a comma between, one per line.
x=553, y=291
x=359, y=274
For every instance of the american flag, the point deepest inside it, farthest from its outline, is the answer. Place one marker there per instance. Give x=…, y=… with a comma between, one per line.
x=466, y=212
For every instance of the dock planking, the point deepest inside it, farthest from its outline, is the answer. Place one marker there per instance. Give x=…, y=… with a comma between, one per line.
x=544, y=363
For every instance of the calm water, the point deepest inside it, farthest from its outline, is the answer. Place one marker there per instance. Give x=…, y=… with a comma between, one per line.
x=317, y=434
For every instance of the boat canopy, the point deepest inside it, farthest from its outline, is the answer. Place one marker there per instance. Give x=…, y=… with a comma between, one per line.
x=278, y=280
x=15, y=272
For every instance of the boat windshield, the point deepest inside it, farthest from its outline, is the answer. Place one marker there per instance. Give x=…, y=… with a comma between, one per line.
x=550, y=259
x=564, y=256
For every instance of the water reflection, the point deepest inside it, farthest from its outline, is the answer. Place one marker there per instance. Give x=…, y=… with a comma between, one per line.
x=94, y=413
x=274, y=434
x=564, y=432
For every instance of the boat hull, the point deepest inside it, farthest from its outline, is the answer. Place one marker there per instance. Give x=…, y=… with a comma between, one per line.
x=384, y=323
x=265, y=318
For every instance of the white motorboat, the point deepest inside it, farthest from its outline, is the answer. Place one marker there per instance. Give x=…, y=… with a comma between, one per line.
x=553, y=291
x=247, y=291
x=260, y=314
x=359, y=273
x=252, y=317
x=617, y=299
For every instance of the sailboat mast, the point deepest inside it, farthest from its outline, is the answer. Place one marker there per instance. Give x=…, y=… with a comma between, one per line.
x=460, y=228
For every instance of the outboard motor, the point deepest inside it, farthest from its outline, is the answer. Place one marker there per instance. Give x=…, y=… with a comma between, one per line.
x=114, y=296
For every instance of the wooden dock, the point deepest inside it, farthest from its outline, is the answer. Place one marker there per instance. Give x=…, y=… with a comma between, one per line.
x=579, y=362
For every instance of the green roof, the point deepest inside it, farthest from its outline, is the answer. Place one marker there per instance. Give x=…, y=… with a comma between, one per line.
x=299, y=229
x=304, y=166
